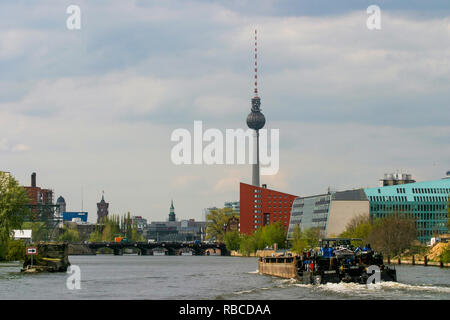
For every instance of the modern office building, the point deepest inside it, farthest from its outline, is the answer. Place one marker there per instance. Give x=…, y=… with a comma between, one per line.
x=206, y=211
x=235, y=205
x=426, y=201
x=329, y=211
x=261, y=206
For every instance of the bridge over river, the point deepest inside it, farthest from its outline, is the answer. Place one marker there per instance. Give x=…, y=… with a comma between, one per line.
x=170, y=248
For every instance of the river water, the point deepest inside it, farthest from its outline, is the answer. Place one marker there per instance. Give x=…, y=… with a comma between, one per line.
x=198, y=277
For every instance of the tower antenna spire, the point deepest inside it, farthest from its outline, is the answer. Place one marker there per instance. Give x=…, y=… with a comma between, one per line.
x=256, y=64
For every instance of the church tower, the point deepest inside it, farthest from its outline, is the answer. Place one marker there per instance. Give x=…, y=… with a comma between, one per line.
x=102, y=209
x=172, y=212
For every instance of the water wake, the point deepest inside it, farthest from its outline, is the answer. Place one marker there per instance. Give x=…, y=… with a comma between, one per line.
x=355, y=288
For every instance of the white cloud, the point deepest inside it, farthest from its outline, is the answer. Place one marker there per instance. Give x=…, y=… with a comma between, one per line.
x=350, y=103
x=20, y=148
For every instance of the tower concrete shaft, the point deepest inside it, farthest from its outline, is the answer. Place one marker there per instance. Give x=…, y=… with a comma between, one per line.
x=255, y=166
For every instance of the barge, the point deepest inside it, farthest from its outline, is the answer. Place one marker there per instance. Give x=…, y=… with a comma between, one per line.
x=50, y=257
x=336, y=261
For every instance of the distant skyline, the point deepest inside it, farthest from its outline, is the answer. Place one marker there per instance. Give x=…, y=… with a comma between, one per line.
x=93, y=109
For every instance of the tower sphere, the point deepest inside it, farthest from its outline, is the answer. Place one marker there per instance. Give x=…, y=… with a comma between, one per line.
x=255, y=119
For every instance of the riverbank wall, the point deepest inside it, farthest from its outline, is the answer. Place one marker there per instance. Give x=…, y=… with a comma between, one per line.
x=417, y=262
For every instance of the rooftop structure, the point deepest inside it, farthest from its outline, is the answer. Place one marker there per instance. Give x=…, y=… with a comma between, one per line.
x=392, y=179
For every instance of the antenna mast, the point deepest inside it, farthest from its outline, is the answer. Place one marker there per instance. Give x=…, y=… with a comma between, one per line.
x=256, y=64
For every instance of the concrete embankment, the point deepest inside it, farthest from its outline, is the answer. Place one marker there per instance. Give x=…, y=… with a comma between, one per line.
x=431, y=257
x=418, y=262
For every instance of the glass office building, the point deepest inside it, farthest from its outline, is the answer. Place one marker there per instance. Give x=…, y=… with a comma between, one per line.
x=426, y=201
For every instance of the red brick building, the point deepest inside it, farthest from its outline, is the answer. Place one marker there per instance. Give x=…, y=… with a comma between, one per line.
x=38, y=195
x=261, y=206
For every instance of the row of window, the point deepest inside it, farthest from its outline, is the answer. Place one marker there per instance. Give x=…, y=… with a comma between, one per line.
x=404, y=199
x=274, y=212
x=431, y=190
x=408, y=207
x=430, y=198
x=388, y=198
x=442, y=217
x=269, y=196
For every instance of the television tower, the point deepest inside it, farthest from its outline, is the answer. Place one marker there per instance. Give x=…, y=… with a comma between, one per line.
x=255, y=119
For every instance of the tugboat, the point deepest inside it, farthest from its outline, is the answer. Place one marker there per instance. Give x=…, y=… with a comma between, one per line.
x=336, y=261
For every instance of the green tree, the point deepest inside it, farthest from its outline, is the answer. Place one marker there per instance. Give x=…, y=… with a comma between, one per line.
x=16, y=250
x=135, y=235
x=312, y=236
x=13, y=209
x=448, y=213
x=38, y=230
x=232, y=240
x=274, y=233
x=306, y=239
x=128, y=226
x=69, y=235
x=393, y=234
x=298, y=241
x=247, y=244
x=216, y=222
x=263, y=237
x=359, y=227
x=445, y=255
x=95, y=236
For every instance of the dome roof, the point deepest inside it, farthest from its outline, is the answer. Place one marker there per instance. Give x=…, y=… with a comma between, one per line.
x=60, y=200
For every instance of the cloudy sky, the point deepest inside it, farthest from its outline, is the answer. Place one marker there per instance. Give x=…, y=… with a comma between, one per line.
x=93, y=109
